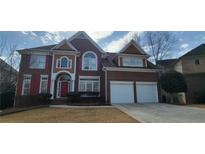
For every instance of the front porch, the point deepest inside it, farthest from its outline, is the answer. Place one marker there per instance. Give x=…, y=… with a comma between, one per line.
x=61, y=84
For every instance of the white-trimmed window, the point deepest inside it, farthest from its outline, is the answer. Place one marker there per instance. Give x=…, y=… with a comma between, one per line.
x=26, y=85
x=37, y=61
x=64, y=62
x=132, y=62
x=89, y=61
x=43, y=84
x=89, y=85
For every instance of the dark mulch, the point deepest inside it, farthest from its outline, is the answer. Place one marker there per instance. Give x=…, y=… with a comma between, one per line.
x=16, y=110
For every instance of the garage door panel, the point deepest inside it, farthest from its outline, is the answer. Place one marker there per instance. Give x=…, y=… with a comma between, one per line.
x=122, y=92
x=147, y=93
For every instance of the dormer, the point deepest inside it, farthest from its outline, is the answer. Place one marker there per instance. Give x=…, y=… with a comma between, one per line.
x=132, y=55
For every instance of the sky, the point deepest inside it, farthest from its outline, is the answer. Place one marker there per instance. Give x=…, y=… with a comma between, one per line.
x=110, y=41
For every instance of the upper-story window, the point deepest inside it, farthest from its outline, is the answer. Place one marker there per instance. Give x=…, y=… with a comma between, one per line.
x=37, y=61
x=89, y=61
x=64, y=62
x=132, y=61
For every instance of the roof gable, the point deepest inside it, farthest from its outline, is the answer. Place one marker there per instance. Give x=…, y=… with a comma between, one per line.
x=84, y=35
x=64, y=45
x=133, y=48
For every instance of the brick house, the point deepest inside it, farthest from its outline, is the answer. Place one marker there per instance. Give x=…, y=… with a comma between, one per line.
x=78, y=64
x=192, y=66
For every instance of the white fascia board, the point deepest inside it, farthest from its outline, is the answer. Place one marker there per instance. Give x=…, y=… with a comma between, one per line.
x=62, y=43
x=136, y=45
x=129, y=69
x=145, y=83
x=36, y=52
x=133, y=55
x=65, y=52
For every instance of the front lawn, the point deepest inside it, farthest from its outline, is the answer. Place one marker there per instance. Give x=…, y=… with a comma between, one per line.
x=197, y=105
x=72, y=115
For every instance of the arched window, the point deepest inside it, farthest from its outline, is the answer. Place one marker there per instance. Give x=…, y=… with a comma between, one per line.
x=63, y=62
x=89, y=61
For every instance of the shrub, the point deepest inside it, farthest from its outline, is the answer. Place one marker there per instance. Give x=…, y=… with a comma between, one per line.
x=173, y=82
x=200, y=97
x=33, y=100
x=89, y=94
x=85, y=98
x=7, y=100
x=73, y=97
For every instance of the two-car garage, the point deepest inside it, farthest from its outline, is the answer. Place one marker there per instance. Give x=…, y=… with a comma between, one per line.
x=130, y=92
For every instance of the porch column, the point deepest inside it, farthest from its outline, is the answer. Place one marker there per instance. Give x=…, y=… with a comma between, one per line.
x=52, y=87
x=73, y=85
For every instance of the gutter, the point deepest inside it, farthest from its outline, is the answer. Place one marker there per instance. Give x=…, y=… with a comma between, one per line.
x=130, y=69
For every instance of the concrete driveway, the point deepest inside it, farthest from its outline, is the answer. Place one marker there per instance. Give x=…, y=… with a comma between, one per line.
x=163, y=113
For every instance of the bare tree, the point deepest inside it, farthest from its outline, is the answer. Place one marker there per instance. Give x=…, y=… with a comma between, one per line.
x=8, y=66
x=160, y=43
x=134, y=36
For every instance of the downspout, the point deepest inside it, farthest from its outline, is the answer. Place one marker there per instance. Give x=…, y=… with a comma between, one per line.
x=105, y=85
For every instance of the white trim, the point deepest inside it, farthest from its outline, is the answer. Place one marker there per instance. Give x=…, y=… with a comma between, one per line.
x=89, y=77
x=88, y=37
x=122, y=82
x=68, y=60
x=106, y=98
x=42, y=76
x=148, y=83
x=22, y=89
x=62, y=43
x=129, y=58
x=55, y=75
x=82, y=67
x=36, y=52
x=70, y=87
x=133, y=42
x=130, y=69
x=65, y=52
x=64, y=71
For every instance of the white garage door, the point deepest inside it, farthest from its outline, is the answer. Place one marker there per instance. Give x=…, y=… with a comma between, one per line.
x=147, y=92
x=121, y=92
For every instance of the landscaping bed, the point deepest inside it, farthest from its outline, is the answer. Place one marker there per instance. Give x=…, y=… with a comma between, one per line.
x=16, y=110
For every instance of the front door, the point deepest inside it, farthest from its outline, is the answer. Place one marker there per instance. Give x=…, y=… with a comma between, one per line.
x=64, y=88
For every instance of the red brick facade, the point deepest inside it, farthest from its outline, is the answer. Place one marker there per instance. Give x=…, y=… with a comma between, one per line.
x=81, y=46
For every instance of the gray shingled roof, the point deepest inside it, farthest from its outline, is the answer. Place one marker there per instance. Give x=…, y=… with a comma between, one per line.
x=166, y=62
x=200, y=50
x=109, y=61
x=47, y=47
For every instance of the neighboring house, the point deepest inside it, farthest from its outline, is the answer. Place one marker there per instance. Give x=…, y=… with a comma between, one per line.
x=192, y=66
x=80, y=65
x=8, y=75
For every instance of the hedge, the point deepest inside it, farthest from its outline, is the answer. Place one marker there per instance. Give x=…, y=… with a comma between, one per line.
x=7, y=100
x=33, y=100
